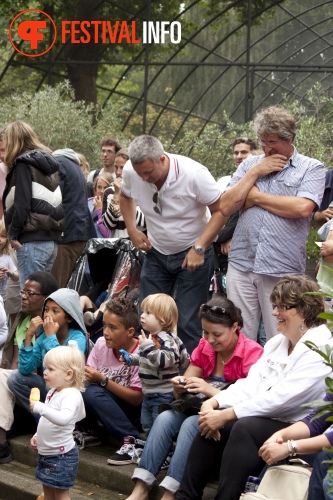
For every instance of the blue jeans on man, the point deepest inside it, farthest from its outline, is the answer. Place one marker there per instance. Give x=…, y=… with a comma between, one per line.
x=35, y=256
x=164, y=274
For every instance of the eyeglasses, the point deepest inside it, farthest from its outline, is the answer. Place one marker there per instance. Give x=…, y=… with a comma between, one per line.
x=157, y=207
x=215, y=310
x=269, y=143
x=282, y=307
x=28, y=293
x=107, y=152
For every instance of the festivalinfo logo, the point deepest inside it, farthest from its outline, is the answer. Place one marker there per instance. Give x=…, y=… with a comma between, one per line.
x=33, y=32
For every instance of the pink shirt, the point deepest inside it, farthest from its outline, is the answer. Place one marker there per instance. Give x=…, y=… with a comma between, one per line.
x=105, y=361
x=246, y=353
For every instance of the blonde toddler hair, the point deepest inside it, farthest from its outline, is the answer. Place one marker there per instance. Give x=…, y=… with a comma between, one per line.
x=164, y=309
x=68, y=358
x=7, y=249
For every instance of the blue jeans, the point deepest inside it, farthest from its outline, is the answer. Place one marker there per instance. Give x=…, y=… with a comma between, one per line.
x=58, y=471
x=164, y=274
x=21, y=385
x=320, y=481
x=35, y=256
x=117, y=416
x=166, y=427
x=150, y=406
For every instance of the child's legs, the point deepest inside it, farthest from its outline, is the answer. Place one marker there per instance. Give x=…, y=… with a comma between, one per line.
x=146, y=415
x=150, y=407
x=157, y=401
x=48, y=493
x=55, y=494
x=61, y=495
x=114, y=414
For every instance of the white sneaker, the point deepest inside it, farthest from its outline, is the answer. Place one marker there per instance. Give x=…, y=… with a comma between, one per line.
x=128, y=453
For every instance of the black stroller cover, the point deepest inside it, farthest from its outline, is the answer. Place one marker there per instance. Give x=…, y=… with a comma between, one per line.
x=107, y=261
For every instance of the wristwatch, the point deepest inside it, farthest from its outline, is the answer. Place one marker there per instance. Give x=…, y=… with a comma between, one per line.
x=103, y=383
x=198, y=249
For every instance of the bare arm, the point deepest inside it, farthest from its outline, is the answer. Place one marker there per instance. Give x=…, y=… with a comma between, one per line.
x=215, y=224
x=323, y=216
x=127, y=394
x=290, y=207
x=276, y=447
x=298, y=430
x=193, y=260
x=234, y=198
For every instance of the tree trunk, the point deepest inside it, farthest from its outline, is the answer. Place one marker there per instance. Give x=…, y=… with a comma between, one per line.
x=83, y=75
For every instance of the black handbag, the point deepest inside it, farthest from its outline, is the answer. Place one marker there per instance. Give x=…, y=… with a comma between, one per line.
x=190, y=403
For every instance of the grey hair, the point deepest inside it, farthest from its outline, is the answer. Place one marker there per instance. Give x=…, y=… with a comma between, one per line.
x=145, y=147
x=275, y=121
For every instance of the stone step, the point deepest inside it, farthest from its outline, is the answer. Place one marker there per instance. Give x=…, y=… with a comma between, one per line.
x=93, y=467
x=17, y=482
x=95, y=476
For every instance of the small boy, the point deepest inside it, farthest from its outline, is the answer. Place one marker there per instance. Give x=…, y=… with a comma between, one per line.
x=113, y=395
x=160, y=356
x=61, y=322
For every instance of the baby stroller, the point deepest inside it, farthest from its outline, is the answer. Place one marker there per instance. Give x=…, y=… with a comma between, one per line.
x=107, y=261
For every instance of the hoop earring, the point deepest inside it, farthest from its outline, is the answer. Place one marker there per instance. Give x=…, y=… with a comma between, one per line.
x=302, y=328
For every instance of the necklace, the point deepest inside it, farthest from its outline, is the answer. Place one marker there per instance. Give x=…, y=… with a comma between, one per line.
x=222, y=360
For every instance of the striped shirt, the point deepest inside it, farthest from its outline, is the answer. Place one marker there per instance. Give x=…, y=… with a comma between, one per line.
x=159, y=364
x=266, y=243
x=115, y=222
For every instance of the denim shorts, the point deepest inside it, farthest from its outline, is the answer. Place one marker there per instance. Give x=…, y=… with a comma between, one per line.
x=58, y=471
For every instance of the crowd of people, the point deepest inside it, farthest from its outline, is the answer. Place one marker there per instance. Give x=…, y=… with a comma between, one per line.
x=196, y=384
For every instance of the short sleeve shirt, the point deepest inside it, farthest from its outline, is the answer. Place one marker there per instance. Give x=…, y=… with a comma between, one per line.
x=105, y=361
x=184, y=198
x=266, y=243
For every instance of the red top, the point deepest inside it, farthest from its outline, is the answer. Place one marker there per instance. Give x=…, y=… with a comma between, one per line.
x=246, y=353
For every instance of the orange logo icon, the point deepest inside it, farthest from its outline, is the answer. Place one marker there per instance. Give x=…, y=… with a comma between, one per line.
x=31, y=32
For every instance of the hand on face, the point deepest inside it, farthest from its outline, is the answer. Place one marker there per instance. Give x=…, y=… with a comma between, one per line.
x=269, y=164
x=50, y=327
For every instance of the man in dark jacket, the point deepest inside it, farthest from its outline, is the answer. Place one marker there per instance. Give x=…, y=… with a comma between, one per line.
x=78, y=224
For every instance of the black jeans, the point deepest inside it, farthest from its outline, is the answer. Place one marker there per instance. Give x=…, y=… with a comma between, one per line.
x=235, y=456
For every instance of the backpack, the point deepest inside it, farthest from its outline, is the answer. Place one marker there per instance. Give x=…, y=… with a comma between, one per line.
x=282, y=482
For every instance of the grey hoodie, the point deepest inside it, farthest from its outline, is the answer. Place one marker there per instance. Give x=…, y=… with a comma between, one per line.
x=68, y=153
x=69, y=301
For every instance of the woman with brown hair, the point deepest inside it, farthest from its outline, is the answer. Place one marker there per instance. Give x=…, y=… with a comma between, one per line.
x=234, y=423
x=32, y=200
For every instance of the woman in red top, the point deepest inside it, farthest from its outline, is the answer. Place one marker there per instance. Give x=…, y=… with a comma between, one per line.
x=223, y=354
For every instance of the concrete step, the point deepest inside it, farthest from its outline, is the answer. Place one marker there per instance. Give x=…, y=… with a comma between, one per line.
x=95, y=479
x=17, y=482
x=93, y=469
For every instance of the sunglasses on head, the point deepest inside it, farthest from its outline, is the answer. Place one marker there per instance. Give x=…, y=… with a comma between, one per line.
x=215, y=310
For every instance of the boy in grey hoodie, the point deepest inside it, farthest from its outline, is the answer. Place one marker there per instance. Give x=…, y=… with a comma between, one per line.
x=61, y=322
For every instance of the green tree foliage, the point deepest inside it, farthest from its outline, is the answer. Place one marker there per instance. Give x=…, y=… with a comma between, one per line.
x=78, y=69
x=59, y=120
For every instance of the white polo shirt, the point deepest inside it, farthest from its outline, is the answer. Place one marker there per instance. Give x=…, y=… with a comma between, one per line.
x=183, y=199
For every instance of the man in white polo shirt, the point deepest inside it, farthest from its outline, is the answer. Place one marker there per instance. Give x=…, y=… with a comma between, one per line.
x=180, y=201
